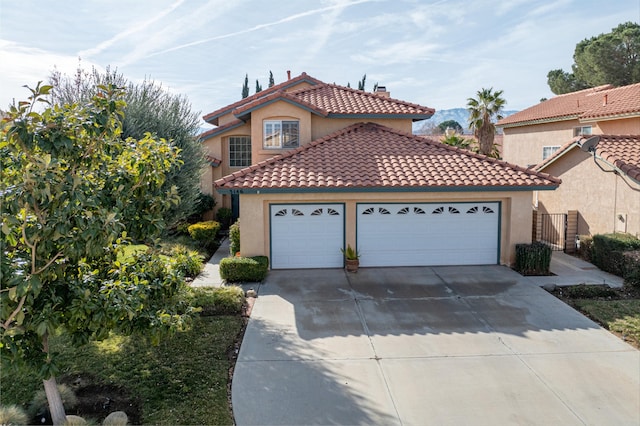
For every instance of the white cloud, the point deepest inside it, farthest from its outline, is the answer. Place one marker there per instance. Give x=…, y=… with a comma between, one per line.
x=24, y=65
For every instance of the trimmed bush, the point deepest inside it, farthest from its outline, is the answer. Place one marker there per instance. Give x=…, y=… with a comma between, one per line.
x=204, y=232
x=632, y=268
x=224, y=216
x=608, y=251
x=234, y=238
x=244, y=269
x=533, y=259
x=187, y=262
x=586, y=248
x=39, y=407
x=13, y=415
x=226, y=300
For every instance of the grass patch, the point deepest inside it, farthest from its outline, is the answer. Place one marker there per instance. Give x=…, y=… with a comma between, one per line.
x=183, y=380
x=619, y=316
x=616, y=309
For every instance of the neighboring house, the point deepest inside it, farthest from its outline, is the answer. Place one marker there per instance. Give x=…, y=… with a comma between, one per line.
x=314, y=167
x=534, y=134
x=602, y=185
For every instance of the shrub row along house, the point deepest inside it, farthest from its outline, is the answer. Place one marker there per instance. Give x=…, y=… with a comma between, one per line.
x=590, y=139
x=312, y=167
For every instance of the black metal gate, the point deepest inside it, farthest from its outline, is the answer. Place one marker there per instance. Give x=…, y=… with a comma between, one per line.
x=554, y=230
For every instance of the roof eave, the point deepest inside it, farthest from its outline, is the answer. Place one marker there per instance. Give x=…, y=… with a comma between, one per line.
x=539, y=121
x=412, y=117
x=351, y=189
x=610, y=117
x=215, y=132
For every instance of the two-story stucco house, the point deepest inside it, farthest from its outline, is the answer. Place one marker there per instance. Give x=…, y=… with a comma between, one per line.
x=601, y=187
x=534, y=134
x=313, y=167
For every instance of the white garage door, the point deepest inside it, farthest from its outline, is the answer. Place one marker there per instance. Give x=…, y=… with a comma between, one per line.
x=306, y=235
x=428, y=234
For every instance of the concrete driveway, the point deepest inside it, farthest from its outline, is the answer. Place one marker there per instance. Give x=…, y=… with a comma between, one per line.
x=422, y=346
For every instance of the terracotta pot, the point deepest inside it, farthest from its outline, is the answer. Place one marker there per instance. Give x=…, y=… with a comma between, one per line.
x=352, y=265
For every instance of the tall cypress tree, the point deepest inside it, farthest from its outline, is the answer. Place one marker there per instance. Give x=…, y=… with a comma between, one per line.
x=271, y=80
x=245, y=86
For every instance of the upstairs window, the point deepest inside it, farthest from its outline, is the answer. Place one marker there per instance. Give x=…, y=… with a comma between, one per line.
x=281, y=134
x=579, y=131
x=547, y=151
x=239, y=151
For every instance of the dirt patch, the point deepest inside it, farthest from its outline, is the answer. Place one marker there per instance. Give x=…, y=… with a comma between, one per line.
x=591, y=291
x=97, y=400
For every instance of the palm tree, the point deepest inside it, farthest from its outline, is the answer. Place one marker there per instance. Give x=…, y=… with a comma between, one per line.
x=482, y=111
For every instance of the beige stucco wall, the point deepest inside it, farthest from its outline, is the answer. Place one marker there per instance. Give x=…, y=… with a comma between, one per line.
x=598, y=197
x=515, y=225
x=322, y=126
x=523, y=145
x=629, y=126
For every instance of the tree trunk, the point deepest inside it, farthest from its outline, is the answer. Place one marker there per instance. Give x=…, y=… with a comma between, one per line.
x=485, y=139
x=56, y=408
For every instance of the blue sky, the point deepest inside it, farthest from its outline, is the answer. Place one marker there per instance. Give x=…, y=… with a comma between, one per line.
x=435, y=53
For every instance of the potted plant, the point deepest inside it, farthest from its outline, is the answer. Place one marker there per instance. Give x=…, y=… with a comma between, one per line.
x=352, y=258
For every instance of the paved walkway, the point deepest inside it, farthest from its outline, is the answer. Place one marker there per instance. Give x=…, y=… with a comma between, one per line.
x=210, y=275
x=568, y=270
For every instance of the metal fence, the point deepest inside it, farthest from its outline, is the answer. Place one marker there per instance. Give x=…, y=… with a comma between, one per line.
x=554, y=230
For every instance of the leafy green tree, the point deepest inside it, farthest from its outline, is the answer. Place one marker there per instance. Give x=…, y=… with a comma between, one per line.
x=245, y=87
x=272, y=82
x=258, y=87
x=149, y=108
x=561, y=82
x=457, y=141
x=611, y=58
x=483, y=110
x=450, y=124
x=71, y=190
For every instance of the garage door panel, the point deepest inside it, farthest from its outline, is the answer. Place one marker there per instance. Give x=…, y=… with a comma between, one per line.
x=306, y=235
x=428, y=234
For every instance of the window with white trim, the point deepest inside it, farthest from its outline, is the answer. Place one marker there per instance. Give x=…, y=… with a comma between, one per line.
x=239, y=151
x=583, y=130
x=547, y=151
x=281, y=134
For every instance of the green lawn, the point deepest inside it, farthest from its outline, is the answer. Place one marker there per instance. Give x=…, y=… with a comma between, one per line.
x=182, y=381
x=620, y=316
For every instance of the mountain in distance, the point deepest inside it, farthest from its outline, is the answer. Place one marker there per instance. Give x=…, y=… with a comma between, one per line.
x=461, y=115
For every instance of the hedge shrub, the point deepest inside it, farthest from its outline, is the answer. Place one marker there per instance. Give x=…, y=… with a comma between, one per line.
x=632, y=268
x=204, y=232
x=234, y=238
x=533, y=259
x=224, y=216
x=227, y=300
x=187, y=262
x=585, y=251
x=608, y=251
x=243, y=269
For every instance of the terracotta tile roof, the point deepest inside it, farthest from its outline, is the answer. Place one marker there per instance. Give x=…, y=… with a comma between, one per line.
x=621, y=151
x=221, y=129
x=368, y=155
x=326, y=100
x=213, y=161
x=339, y=100
x=586, y=105
x=212, y=117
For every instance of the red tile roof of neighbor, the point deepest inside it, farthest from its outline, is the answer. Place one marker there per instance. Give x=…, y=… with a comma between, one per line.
x=621, y=151
x=367, y=155
x=326, y=100
x=586, y=105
